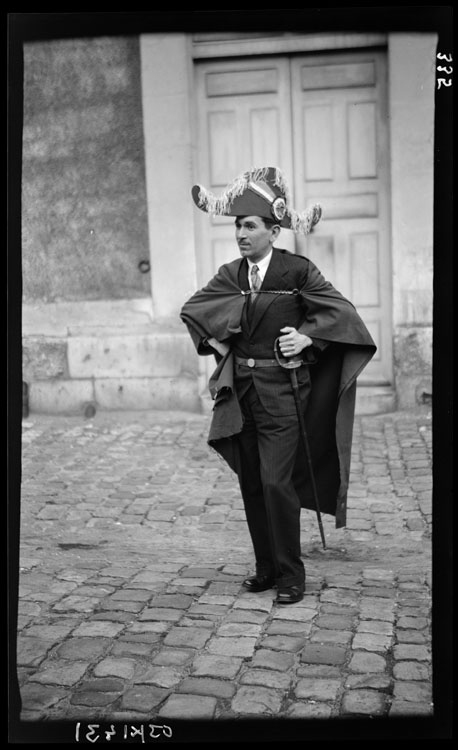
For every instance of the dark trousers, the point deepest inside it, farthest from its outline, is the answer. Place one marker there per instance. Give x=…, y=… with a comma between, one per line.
x=268, y=447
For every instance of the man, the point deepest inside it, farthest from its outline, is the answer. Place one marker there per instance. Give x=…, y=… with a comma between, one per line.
x=258, y=312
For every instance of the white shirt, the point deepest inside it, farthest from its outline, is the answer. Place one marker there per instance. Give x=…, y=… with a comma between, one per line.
x=262, y=267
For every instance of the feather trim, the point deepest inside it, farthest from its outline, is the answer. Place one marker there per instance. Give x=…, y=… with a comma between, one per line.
x=303, y=222
x=217, y=206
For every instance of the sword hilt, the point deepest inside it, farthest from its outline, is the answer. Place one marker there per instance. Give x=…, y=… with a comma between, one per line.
x=289, y=363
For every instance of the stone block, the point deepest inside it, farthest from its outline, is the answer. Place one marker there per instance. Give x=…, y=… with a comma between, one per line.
x=339, y=596
x=83, y=648
x=332, y=636
x=172, y=657
x=411, y=636
x=371, y=609
x=409, y=708
x=318, y=670
x=108, y=629
x=190, y=622
x=103, y=685
x=334, y=622
x=162, y=676
x=215, y=665
x=188, y=707
x=51, y=633
x=31, y=651
x=35, y=696
x=238, y=629
x=280, y=660
x=372, y=681
x=267, y=678
x=256, y=701
x=312, y=710
x=132, y=594
x=60, y=673
x=178, y=601
x=289, y=627
x=207, y=610
x=190, y=637
x=228, y=646
x=371, y=642
x=151, y=354
x=319, y=689
x=283, y=643
x=44, y=358
x=93, y=698
x=415, y=692
x=375, y=626
x=366, y=702
x=410, y=670
x=365, y=662
x=128, y=648
x=246, y=616
x=161, y=393
x=207, y=686
x=323, y=654
x=294, y=613
x=161, y=613
x=414, y=623
x=408, y=652
x=143, y=698
x=261, y=603
x=60, y=396
x=111, y=667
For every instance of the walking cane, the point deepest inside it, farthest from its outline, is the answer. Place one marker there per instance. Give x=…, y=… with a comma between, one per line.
x=292, y=365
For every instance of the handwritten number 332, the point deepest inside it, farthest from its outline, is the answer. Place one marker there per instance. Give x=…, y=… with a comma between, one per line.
x=448, y=70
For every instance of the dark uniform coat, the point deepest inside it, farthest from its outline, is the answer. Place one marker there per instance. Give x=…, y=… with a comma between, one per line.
x=294, y=293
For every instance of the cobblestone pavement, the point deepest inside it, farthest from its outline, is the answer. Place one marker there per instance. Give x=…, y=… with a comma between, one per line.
x=133, y=549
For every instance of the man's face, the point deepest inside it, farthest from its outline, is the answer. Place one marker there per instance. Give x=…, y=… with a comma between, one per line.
x=253, y=238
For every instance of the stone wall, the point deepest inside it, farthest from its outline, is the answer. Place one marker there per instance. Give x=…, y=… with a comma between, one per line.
x=84, y=197
x=412, y=88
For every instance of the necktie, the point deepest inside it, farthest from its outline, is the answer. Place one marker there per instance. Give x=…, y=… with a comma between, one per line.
x=255, y=281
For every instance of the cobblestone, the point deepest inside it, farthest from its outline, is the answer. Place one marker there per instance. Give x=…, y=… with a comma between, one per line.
x=256, y=701
x=408, y=651
x=323, y=654
x=188, y=707
x=268, y=678
x=282, y=661
x=110, y=667
x=134, y=547
x=364, y=702
x=318, y=689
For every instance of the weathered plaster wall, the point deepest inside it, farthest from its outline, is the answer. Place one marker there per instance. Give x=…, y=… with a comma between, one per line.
x=412, y=60
x=84, y=196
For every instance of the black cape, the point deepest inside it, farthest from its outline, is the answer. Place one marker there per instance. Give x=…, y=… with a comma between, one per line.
x=216, y=312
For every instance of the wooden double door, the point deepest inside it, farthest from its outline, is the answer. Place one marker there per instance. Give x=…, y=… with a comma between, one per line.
x=323, y=120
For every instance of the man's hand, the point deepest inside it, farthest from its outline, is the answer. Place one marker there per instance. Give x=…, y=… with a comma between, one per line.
x=220, y=347
x=293, y=342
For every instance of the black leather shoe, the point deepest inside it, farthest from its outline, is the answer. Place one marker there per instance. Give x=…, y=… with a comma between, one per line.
x=290, y=595
x=259, y=583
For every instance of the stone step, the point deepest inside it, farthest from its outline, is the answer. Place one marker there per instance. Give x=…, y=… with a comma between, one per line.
x=75, y=396
x=375, y=399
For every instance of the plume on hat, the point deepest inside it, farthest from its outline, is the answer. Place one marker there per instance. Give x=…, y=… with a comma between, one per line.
x=270, y=186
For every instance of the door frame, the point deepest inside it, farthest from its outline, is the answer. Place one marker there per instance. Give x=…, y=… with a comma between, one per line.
x=203, y=234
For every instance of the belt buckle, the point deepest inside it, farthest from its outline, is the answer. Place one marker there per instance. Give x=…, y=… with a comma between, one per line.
x=251, y=362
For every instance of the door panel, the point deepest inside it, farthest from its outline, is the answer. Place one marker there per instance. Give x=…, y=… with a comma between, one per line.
x=322, y=120
x=243, y=114
x=341, y=161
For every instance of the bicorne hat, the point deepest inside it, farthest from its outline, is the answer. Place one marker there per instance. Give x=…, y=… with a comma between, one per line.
x=261, y=192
